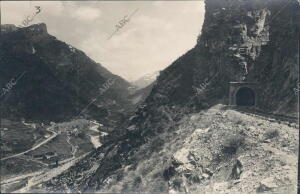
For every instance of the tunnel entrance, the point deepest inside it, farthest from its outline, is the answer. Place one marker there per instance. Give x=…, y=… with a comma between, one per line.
x=243, y=93
x=245, y=97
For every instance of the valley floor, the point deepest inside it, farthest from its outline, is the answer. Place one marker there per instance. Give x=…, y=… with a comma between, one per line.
x=218, y=151
x=66, y=145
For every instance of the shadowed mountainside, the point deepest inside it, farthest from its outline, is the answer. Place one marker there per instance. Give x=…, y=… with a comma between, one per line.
x=58, y=81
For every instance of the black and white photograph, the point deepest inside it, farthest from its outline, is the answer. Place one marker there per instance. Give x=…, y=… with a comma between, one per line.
x=149, y=97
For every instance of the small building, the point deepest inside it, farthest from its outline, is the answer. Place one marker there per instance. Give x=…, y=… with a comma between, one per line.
x=39, y=156
x=53, y=162
x=49, y=155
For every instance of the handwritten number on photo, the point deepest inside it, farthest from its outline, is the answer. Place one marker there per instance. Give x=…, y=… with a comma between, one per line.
x=38, y=9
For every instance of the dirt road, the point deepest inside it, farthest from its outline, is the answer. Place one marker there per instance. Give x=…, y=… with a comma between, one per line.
x=34, y=147
x=48, y=174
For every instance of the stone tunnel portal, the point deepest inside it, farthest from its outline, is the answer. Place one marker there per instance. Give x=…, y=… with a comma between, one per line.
x=242, y=94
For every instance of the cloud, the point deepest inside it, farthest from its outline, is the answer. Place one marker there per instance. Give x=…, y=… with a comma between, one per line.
x=144, y=45
x=87, y=14
x=155, y=36
x=52, y=8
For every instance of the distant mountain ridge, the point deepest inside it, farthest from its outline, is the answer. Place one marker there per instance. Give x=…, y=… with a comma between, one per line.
x=60, y=81
x=145, y=80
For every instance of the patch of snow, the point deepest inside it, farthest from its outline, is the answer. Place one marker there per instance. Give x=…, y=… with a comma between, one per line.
x=94, y=128
x=95, y=141
x=96, y=123
x=26, y=123
x=72, y=49
x=103, y=134
x=33, y=50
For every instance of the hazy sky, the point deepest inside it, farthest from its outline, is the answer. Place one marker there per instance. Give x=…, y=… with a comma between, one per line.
x=157, y=34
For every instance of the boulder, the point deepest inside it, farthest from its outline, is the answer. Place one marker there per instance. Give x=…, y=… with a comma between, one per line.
x=267, y=184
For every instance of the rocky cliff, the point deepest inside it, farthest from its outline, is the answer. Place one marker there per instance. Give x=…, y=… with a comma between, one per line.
x=168, y=145
x=42, y=78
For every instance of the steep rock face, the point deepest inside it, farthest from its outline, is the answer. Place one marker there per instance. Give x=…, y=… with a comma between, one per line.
x=250, y=41
x=51, y=80
x=240, y=41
